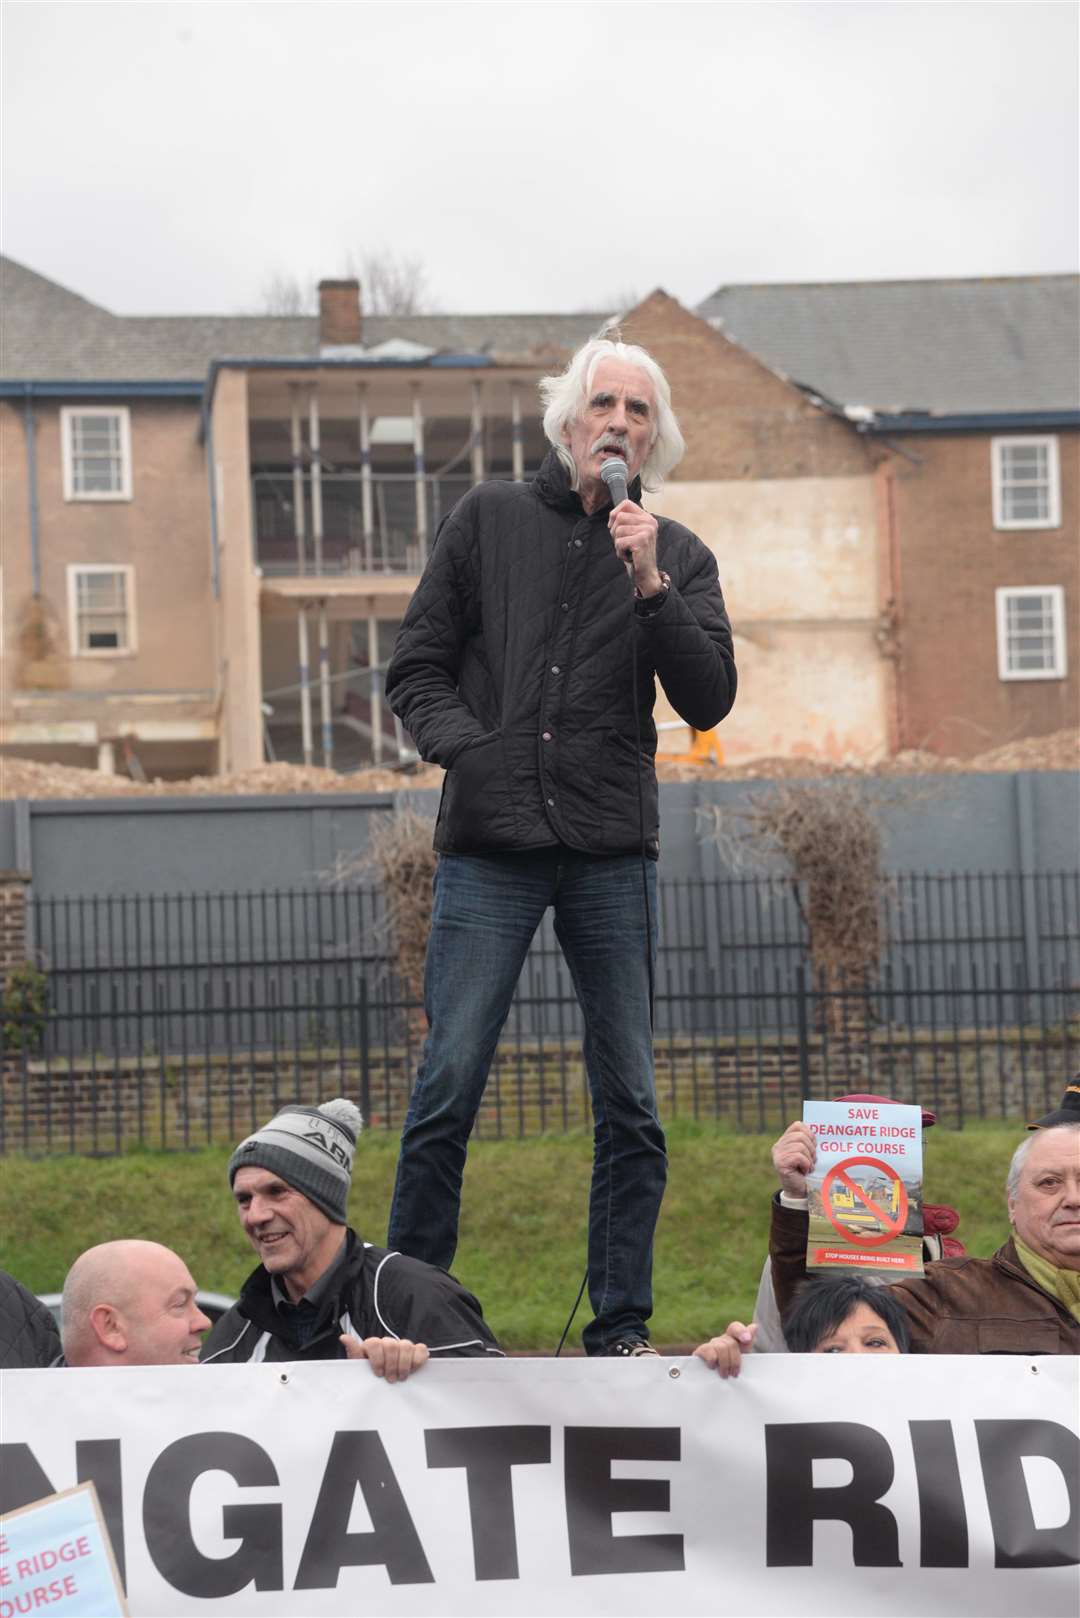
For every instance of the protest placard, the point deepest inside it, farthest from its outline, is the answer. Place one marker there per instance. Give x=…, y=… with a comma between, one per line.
x=865, y=1189
x=56, y=1559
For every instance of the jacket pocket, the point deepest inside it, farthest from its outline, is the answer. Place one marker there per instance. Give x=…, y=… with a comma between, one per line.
x=627, y=819
x=477, y=810
x=1019, y=1337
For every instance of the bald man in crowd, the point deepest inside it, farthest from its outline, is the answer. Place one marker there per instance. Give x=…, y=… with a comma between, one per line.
x=131, y=1303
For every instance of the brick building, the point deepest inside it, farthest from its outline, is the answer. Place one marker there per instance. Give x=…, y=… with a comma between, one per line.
x=206, y=556
x=212, y=525
x=971, y=390
x=788, y=495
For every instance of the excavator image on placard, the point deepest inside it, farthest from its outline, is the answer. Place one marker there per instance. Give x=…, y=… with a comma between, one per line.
x=851, y=1210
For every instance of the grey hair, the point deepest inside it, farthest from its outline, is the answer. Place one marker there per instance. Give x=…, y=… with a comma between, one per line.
x=1019, y=1157
x=563, y=397
x=1012, y=1181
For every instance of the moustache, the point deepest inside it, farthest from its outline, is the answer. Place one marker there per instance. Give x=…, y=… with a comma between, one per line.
x=619, y=442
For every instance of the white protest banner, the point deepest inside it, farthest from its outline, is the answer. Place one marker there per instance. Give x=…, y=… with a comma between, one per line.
x=55, y=1557
x=813, y=1485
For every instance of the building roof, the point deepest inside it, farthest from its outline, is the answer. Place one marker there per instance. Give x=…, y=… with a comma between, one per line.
x=947, y=347
x=50, y=334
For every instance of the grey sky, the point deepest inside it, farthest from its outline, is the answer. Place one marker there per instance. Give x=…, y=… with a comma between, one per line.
x=167, y=158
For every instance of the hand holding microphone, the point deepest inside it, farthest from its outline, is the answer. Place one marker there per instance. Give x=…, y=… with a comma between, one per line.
x=632, y=530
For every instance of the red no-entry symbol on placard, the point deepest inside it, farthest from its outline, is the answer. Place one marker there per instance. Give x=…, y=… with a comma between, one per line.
x=852, y=1191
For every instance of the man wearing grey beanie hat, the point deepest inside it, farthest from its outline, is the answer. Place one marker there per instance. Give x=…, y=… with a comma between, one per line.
x=319, y=1291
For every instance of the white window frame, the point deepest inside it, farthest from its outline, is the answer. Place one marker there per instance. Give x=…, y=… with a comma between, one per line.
x=1056, y=595
x=75, y=569
x=1046, y=441
x=68, y=415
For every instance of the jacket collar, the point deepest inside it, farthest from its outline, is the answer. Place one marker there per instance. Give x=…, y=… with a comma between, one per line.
x=552, y=484
x=1008, y=1259
x=257, y=1303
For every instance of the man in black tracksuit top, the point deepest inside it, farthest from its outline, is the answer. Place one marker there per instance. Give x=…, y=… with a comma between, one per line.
x=526, y=667
x=319, y=1292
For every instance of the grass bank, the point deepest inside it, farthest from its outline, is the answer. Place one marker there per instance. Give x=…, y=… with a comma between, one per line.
x=523, y=1224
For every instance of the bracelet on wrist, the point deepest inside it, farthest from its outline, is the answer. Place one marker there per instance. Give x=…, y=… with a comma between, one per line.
x=665, y=586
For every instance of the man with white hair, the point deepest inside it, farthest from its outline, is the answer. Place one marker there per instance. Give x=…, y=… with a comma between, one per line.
x=526, y=666
x=1023, y=1300
x=130, y=1303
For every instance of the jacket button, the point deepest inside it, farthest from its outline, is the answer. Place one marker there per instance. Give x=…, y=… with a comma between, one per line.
x=551, y=803
x=566, y=606
x=578, y=542
x=555, y=668
x=547, y=735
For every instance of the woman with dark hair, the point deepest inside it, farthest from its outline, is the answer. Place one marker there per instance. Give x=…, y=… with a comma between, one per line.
x=838, y=1314
x=846, y=1314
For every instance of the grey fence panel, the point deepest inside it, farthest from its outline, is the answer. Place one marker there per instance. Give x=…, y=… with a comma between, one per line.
x=168, y=968
x=196, y=845
x=1024, y=824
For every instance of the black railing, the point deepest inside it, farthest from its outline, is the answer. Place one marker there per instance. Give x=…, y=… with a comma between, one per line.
x=181, y=1019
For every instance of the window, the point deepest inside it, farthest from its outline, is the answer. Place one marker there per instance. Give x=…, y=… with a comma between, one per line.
x=101, y=602
x=1027, y=484
x=1031, y=632
x=96, y=448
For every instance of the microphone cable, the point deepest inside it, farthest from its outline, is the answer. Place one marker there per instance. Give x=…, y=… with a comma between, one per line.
x=643, y=856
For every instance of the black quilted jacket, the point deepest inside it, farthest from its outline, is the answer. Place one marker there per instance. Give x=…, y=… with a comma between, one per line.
x=28, y=1334
x=514, y=669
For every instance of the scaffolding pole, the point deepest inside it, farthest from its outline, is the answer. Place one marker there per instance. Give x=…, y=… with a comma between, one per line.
x=325, y=714
x=418, y=463
x=305, y=683
x=367, y=501
x=376, y=683
x=298, y=479
x=517, y=434
x=316, y=478
x=477, y=432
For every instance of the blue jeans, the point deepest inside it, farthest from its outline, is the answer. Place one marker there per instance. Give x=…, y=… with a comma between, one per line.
x=486, y=910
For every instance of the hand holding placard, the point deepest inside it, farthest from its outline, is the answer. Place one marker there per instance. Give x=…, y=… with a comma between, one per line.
x=793, y=1158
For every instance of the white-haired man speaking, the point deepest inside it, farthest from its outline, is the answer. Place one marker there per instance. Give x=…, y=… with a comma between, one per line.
x=526, y=666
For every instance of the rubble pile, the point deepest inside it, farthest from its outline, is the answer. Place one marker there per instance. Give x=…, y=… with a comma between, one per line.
x=25, y=778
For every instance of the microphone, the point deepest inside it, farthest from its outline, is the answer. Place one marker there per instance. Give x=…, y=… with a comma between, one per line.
x=613, y=472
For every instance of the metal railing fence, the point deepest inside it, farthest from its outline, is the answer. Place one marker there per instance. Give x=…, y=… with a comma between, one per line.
x=184, y=1018
x=202, y=955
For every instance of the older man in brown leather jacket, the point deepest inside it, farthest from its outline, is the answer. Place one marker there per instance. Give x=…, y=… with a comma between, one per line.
x=1024, y=1300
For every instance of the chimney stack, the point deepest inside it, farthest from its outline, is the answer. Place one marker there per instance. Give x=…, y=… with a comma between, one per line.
x=339, y=313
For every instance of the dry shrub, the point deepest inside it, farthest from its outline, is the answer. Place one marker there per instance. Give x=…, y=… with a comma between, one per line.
x=831, y=842
x=400, y=857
